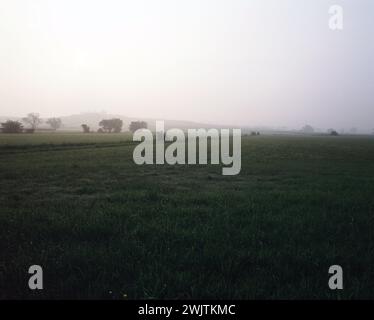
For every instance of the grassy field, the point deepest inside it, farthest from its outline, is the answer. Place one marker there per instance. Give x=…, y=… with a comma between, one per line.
x=103, y=227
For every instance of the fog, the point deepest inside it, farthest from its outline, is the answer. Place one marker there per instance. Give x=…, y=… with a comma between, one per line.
x=239, y=62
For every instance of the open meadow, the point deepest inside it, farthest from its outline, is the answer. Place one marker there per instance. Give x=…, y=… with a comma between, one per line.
x=103, y=227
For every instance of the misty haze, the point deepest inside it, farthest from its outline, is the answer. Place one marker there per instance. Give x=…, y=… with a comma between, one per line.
x=238, y=63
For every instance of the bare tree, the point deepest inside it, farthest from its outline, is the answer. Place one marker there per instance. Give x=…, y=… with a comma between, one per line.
x=33, y=120
x=55, y=123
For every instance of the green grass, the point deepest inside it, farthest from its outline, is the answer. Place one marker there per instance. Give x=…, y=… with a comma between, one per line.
x=57, y=139
x=103, y=227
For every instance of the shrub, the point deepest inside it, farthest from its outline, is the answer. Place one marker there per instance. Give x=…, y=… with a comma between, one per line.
x=12, y=127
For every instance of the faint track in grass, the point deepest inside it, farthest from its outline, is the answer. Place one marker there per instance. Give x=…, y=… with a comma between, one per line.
x=19, y=149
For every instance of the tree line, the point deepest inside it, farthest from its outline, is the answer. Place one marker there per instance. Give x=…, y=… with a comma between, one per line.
x=115, y=125
x=33, y=121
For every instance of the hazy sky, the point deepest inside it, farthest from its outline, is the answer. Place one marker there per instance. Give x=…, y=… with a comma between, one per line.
x=240, y=62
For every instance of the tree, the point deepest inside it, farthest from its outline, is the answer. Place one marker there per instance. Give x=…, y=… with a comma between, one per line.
x=86, y=128
x=109, y=125
x=136, y=125
x=333, y=132
x=55, y=123
x=12, y=127
x=307, y=129
x=33, y=119
x=117, y=125
x=105, y=126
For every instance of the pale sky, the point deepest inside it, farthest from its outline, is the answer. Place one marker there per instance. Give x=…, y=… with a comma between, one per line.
x=239, y=62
